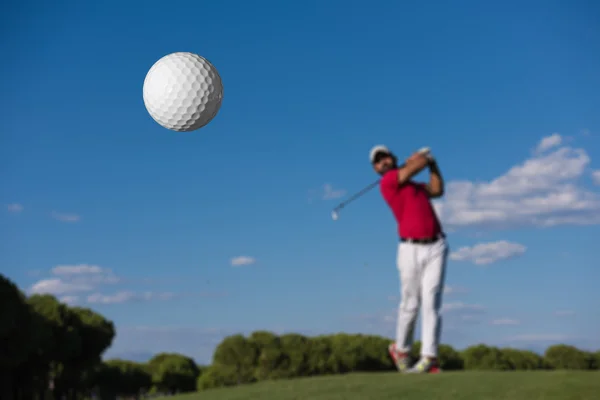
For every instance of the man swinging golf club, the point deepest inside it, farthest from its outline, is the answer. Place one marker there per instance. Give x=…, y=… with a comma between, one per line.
x=422, y=253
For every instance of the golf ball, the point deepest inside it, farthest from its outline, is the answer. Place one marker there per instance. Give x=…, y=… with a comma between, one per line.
x=183, y=92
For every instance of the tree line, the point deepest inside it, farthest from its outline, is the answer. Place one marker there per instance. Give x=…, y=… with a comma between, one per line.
x=49, y=350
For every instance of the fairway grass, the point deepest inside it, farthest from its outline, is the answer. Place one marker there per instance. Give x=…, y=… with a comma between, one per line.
x=534, y=385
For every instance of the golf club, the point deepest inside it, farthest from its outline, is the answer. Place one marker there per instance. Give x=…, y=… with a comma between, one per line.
x=335, y=213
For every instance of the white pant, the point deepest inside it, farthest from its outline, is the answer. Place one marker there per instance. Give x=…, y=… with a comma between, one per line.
x=422, y=271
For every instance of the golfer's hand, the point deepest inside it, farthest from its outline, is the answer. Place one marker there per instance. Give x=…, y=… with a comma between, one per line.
x=427, y=153
x=414, y=157
x=424, y=152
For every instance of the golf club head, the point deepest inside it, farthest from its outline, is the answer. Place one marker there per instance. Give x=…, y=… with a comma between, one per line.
x=334, y=215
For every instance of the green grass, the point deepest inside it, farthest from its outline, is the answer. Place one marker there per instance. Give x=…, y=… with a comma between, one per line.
x=547, y=385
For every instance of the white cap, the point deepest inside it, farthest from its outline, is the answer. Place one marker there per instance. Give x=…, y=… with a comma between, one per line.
x=378, y=149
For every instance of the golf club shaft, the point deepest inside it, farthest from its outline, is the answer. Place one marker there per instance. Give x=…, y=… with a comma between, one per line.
x=357, y=195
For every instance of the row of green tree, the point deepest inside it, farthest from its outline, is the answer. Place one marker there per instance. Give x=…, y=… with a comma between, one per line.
x=51, y=350
x=264, y=355
x=46, y=345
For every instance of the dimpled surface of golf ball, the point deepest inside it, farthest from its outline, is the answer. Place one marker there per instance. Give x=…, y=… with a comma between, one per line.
x=183, y=91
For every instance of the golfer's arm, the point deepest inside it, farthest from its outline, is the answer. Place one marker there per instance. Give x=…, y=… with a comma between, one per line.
x=411, y=168
x=435, y=187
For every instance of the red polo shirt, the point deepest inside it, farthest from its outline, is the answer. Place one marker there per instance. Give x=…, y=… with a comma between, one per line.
x=411, y=206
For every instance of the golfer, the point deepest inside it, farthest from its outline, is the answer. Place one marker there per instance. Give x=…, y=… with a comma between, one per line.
x=422, y=253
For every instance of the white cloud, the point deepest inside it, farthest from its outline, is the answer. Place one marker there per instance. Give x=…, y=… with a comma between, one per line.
x=455, y=313
x=57, y=286
x=69, y=299
x=505, y=321
x=76, y=269
x=14, y=208
x=63, y=217
x=389, y=318
x=70, y=279
x=549, y=142
x=488, y=253
x=449, y=290
x=564, y=313
x=469, y=317
x=540, y=337
x=127, y=296
x=462, y=307
x=379, y=319
x=542, y=191
x=329, y=193
x=596, y=176
x=243, y=260
x=92, y=274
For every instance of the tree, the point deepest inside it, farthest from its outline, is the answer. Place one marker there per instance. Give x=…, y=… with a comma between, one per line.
x=14, y=318
x=374, y=354
x=96, y=334
x=415, y=350
x=449, y=358
x=218, y=375
x=295, y=347
x=522, y=359
x=482, y=357
x=61, y=344
x=69, y=346
x=108, y=380
x=319, y=353
x=46, y=341
x=596, y=359
x=173, y=373
x=271, y=357
x=239, y=355
x=21, y=332
x=116, y=378
x=562, y=356
x=47, y=344
x=345, y=353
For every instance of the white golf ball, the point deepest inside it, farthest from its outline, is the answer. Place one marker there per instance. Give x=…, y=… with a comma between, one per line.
x=183, y=91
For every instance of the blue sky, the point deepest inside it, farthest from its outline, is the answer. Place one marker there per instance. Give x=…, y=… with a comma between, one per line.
x=105, y=208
